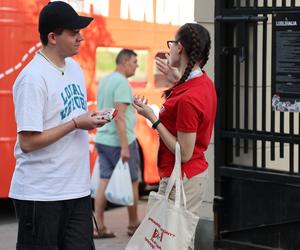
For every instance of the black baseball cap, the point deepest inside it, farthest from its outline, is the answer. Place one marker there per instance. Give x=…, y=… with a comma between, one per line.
x=59, y=14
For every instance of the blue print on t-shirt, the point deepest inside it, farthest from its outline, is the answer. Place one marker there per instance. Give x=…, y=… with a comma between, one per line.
x=73, y=98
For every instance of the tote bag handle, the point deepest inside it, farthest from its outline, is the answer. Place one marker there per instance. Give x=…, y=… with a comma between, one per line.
x=175, y=179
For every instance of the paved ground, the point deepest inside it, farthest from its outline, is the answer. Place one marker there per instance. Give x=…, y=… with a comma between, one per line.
x=116, y=220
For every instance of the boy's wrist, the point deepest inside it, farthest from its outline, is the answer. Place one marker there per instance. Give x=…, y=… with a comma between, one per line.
x=75, y=123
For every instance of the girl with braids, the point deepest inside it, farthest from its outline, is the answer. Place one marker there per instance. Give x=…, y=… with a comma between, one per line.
x=188, y=114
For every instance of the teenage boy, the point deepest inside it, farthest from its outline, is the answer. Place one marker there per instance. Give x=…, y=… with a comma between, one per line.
x=51, y=183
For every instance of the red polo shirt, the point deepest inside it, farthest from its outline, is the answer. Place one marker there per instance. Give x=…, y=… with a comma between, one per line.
x=191, y=107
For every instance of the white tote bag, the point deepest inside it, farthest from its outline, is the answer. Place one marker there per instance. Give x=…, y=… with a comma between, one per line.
x=119, y=188
x=167, y=225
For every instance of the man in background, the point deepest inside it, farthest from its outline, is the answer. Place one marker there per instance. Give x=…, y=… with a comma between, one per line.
x=117, y=139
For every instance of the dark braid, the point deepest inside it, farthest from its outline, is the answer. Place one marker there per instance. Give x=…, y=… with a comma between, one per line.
x=205, y=52
x=192, y=52
x=196, y=42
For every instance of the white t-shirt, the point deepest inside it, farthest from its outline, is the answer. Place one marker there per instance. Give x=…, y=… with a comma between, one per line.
x=43, y=99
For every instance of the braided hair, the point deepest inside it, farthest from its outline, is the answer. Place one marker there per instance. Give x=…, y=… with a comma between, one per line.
x=196, y=41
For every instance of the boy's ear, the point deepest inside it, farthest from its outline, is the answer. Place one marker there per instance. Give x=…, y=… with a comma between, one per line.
x=51, y=38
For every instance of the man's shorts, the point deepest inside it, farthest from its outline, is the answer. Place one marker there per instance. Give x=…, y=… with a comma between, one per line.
x=109, y=157
x=55, y=225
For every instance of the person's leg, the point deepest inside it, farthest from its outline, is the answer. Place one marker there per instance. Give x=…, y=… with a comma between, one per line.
x=134, y=166
x=100, y=203
x=194, y=189
x=108, y=157
x=79, y=225
x=39, y=224
x=133, y=210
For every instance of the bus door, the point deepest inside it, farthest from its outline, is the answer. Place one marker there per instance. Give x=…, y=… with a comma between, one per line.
x=257, y=142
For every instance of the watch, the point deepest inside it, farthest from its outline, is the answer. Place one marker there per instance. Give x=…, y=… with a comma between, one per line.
x=155, y=124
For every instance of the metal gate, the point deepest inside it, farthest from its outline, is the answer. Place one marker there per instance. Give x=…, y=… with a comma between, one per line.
x=257, y=150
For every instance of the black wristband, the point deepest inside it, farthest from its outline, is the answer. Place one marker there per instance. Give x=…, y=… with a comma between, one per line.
x=155, y=124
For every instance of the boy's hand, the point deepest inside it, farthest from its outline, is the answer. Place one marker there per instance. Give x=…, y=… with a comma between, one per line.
x=89, y=120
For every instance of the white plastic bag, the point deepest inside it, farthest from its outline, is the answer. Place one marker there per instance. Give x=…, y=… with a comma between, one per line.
x=119, y=188
x=167, y=225
x=95, y=178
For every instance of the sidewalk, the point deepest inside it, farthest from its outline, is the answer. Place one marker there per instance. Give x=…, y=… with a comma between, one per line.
x=117, y=221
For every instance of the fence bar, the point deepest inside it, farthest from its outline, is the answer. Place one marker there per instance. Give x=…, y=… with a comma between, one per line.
x=298, y=145
x=237, y=82
x=291, y=144
x=272, y=131
x=272, y=120
x=254, y=103
x=230, y=94
x=281, y=145
x=237, y=90
x=246, y=84
x=281, y=125
x=283, y=3
x=263, y=136
x=264, y=92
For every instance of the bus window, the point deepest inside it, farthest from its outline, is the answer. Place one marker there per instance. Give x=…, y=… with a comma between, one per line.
x=159, y=79
x=105, y=64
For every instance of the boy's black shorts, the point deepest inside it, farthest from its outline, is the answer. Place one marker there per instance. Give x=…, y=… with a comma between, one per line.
x=55, y=225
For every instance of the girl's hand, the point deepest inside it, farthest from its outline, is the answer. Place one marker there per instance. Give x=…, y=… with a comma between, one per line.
x=141, y=105
x=171, y=73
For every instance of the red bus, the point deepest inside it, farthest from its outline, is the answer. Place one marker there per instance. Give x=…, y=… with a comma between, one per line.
x=142, y=25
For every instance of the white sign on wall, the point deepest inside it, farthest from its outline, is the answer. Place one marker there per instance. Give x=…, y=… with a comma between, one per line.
x=173, y=12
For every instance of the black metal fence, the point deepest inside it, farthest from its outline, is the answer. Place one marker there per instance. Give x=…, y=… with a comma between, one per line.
x=257, y=150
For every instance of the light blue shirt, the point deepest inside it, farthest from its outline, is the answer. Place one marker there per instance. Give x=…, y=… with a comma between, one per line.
x=115, y=88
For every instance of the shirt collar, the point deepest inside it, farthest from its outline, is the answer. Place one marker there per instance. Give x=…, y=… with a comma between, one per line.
x=186, y=85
